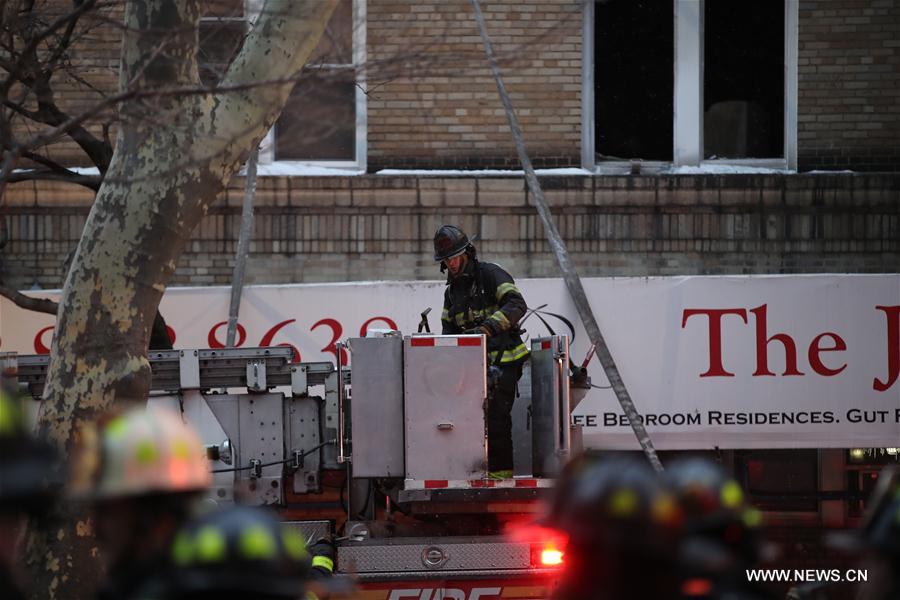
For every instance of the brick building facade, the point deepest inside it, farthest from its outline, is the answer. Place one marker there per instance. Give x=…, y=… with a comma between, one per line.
x=426, y=98
x=432, y=104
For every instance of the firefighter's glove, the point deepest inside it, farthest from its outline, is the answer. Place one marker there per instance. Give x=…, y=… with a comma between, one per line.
x=322, y=558
x=480, y=330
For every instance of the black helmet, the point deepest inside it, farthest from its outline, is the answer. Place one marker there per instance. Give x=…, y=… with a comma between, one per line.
x=238, y=551
x=31, y=474
x=616, y=503
x=450, y=241
x=620, y=525
x=719, y=524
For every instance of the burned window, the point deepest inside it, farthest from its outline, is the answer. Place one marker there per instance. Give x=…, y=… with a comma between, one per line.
x=319, y=120
x=633, y=79
x=743, y=80
x=222, y=31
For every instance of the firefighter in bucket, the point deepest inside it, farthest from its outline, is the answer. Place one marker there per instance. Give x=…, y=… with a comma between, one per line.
x=482, y=298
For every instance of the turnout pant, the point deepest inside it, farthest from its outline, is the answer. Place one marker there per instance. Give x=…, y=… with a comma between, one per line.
x=499, y=417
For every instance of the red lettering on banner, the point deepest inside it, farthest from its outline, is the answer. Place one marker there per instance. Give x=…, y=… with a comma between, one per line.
x=365, y=326
x=716, y=369
x=892, y=313
x=762, y=347
x=214, y=343
x=815, y=349
x=39, y=346
x=266, y=341
x=336, y=329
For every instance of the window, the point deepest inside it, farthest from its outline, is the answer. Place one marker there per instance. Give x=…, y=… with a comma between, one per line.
x=743, y=80
x=716, y=81
x=633, y=54
x=324, y=119
x=779, y=480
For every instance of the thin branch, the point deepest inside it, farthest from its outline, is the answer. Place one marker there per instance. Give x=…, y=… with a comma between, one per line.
x=92, y=182
x=99, y=151
x=41, y=305
x=47, y=162
x=33, y=43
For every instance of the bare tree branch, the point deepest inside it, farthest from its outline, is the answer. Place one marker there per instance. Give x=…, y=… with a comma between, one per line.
x=28, y=53
x=41, y=305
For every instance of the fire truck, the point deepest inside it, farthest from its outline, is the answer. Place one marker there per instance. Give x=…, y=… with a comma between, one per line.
x=389, y=457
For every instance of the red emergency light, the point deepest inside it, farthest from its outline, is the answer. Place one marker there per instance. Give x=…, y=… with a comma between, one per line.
x=547, y=545
x=551, y=557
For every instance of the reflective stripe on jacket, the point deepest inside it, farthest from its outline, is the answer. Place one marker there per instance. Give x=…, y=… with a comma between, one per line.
x=486, y=295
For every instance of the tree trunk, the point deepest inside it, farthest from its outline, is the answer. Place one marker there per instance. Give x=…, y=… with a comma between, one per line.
x=175, y=153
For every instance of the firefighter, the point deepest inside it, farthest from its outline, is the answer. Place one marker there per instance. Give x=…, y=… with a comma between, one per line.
x=143, y=472
x=482, y=298
x=719, y=536
x=236, y=552
x=31, y=477
x=620, y=525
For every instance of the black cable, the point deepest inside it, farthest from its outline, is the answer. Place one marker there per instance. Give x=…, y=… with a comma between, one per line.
x=276, y=462
x=601, y=387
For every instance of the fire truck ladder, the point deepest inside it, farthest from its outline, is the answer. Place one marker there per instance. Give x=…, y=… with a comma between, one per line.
x=257, y=369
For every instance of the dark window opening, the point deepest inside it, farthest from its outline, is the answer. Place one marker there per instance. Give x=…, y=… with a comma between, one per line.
x=319, y=120
x=220, y=41
x=222, y=31
x=743, y=80
x=779, y=480
x=634, y=61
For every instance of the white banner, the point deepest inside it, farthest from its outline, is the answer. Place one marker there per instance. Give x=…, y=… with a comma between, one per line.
x=728, y=362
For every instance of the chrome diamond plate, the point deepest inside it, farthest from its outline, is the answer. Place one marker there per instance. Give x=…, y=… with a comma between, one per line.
x=372, y=557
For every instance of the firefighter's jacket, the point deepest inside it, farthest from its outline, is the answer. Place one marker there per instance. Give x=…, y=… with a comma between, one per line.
x=483, y=294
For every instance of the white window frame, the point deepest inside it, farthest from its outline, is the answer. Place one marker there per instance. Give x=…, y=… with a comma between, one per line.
x=688, y=94
x=252, y=10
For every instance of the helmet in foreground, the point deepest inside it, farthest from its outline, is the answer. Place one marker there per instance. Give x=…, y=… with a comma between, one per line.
x=141, y=452
x=238, y=552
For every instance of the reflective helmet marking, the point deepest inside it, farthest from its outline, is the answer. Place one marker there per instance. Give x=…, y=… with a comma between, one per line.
x=294, y=544
x=146, y=453
x=182, y=549
x=623, y=503
x=732, y=495
x=256, y=542
x=211, y=545
x=117, y=427
x=752, y=518
x=664, y=509
x=10, y=416
x=181, y=450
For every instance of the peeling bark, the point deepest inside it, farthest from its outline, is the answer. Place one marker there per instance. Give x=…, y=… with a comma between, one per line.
x=174, y=155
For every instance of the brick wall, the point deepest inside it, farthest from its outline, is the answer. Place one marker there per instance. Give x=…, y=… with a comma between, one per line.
x=432, y=99
x=89, y=73
x=432, y=102
x=370, y=228
x=849, y=85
